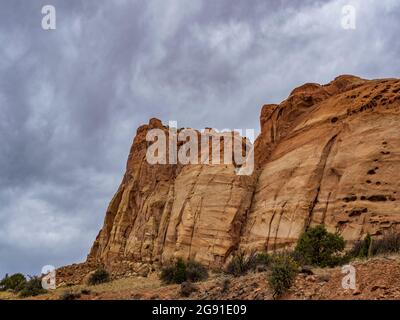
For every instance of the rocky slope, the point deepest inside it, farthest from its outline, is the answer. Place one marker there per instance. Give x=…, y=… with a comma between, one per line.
x=376, y=279
x=327, y=154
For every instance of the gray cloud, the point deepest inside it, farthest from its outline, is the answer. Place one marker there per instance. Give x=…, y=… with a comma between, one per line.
x=71, y=99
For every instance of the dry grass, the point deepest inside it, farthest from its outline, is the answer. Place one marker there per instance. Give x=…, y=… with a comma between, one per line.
x=109, y=290
x=122, y=285
x=7, y=295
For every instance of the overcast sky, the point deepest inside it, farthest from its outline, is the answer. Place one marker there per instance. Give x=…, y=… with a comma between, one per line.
x=72, y=98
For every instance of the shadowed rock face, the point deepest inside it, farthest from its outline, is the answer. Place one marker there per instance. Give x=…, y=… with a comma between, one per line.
x=327, y=154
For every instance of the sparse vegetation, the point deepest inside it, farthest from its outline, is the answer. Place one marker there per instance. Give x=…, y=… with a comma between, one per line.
x=18, y=284
x=85, y=291
x=263, y=259
x=356, y=249
x=195, y=271
x=283, y=272
x=99, y=276
x=32, y=288
x=241, y=263
x=388, y=243
x=167, y=274
x=180, y=271
x=321, y=248
x=15, y=282
x=67, y=295
x=362, y=248
x=365, y=246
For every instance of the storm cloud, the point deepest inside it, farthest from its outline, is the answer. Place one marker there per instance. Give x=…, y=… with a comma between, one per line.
x=72, y=98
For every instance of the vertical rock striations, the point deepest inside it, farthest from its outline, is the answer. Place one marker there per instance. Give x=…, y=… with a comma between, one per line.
x=327, y=154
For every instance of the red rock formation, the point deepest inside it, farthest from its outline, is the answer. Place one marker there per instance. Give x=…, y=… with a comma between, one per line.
x=327, y=154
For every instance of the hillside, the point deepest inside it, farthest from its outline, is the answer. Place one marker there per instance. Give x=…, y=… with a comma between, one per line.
x=327, y=154
x=377, y=278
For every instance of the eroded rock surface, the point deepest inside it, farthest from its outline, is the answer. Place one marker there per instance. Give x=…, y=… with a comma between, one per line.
x=327, y=154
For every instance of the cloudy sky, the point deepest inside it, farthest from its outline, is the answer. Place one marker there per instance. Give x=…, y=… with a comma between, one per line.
x=72, y=98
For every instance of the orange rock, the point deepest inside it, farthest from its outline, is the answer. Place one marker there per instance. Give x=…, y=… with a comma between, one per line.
x=314, y=158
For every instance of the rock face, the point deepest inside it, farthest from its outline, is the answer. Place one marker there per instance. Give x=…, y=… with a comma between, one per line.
x=163, y=211
x=328, y=154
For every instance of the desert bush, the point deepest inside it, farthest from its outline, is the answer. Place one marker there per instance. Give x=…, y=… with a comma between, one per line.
x=298, y=257
x=180, y=271
x=365, y=246
x=85, y=291
x=356, y=249
x=167, y=274
x=98, y=277
x=33, y=287
x=19, y=284
x=263, y=259
x=389, y=243
x=195, y=271
x=241, y=263
x=361, y=248
x=283, y=272
x=68, y=295
x=319, y=247
x=14, y=282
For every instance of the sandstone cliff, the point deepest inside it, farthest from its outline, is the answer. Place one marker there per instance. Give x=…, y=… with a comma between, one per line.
x=327, y=154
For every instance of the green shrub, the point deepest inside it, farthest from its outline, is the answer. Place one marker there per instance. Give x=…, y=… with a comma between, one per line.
x=361, y=248
x=318, y=247
x=180, y=271
x=32, y=288
x=18, y=283
x=14, y=282
x=365, y=246
x=298, y=257
x=98, y=277
x=67, y=295
x=241, y=263
x=168, y=274
x=283, y=272
x=263, y=259
x=195, y=271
